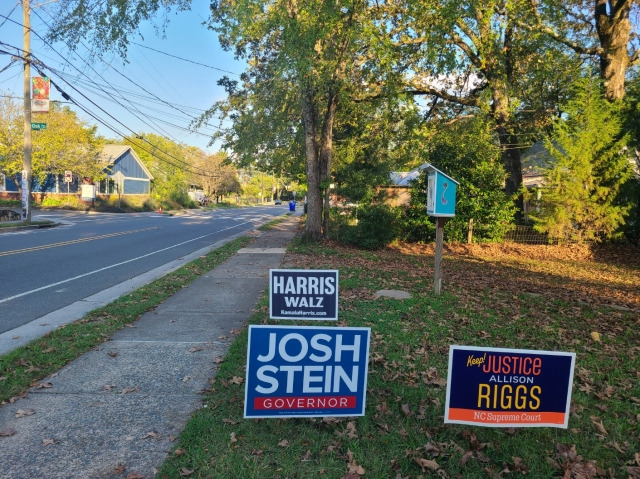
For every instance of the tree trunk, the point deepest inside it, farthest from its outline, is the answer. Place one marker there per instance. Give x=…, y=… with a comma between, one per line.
x=613, y=27
x=326, y=146
x=313, y=227
x=511, y=154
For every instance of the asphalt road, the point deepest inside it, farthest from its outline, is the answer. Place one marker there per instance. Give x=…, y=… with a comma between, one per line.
x=44, y=270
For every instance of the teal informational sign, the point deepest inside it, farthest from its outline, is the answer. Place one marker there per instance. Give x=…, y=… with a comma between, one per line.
x=441, y=193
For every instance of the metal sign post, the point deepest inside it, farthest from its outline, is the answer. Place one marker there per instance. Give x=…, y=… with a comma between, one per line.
x=68, y=178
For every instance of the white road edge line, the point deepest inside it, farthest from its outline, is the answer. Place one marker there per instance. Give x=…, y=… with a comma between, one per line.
x=52, y=285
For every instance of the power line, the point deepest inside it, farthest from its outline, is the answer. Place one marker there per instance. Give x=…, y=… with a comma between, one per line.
x=111, y=116
x=183, y=165
x=185, y=59
x=93, y=69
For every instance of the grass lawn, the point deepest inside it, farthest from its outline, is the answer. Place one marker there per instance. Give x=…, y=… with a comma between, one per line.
x=544, y=298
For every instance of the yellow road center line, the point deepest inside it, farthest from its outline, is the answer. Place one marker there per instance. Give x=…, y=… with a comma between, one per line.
x=76, y=241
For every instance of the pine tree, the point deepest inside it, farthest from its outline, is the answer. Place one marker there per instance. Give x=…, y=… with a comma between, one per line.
x=588, y=165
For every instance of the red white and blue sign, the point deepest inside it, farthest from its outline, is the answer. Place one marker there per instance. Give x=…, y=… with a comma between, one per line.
x=509, y=387
x=306, y=371
x=303, y=294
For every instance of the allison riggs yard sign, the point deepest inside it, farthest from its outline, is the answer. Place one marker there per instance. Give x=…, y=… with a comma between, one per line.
x=306, y=371
x=303, y=294
x=509, y=387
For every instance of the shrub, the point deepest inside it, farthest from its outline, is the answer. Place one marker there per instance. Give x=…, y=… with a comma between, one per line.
x=467, y=152
x=367, y=227
x=70, y=201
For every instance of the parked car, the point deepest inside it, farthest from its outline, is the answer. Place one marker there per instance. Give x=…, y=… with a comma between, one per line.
x=278, y=201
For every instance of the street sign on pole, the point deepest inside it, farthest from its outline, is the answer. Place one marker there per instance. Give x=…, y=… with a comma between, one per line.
x=68, y=176
x=38, y=126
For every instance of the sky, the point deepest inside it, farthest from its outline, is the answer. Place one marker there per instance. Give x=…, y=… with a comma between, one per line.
x=168, y=81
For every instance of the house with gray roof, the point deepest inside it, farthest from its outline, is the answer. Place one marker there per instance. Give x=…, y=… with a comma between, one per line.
x=122, y=165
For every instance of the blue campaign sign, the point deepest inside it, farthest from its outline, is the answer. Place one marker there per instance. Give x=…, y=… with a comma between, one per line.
x=306, y=371
x=509, y=387
x=303, y=294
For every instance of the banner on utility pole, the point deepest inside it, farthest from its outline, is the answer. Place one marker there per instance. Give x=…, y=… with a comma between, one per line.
x=40, y=88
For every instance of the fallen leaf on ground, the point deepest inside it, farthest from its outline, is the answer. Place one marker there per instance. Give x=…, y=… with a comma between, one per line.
x=233, y=437
x=595, y=336
x=7, y=432
x=597, y=422
x=236, y=380
x=283, y=443
x=130, y=390
x=135, y=475
x=186, y=472
x=25, y=412
x=426, y=464
x=49, y=442
x=355, y=470
x=465, y=458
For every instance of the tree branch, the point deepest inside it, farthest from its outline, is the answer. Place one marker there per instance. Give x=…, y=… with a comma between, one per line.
x=426, y=90
x=560, y=39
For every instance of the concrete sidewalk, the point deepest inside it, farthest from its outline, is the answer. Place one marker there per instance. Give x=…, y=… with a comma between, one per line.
x=117, y=409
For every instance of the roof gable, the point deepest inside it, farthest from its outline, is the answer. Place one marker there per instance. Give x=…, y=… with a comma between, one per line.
x=112, y=153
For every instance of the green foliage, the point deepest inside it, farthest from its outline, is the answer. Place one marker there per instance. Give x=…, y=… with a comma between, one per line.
x=10, y=203
x=467, y=152
x=587, y=168
x=108, y=25
x=630, y=191
x=68, y=143
x=167, y=161
x=70, y=201
x=367, y=227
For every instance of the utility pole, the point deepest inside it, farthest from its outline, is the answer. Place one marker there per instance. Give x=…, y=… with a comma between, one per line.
x=26, y=167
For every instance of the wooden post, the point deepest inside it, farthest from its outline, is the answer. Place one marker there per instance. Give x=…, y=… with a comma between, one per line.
x=437, y=278
x=26, y=163
x=470, y=234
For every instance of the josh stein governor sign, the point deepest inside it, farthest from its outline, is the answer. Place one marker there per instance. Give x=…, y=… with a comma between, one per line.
x=306, y=371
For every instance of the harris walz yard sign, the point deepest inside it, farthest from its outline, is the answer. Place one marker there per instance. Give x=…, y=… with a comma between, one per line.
x=509, y=387
x=306, y=371
x=303, y=294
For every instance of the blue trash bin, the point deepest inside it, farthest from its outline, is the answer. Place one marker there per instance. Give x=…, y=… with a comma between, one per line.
x=292, y=205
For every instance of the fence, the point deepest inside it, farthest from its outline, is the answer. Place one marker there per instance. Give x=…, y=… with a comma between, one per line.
x=523, y=235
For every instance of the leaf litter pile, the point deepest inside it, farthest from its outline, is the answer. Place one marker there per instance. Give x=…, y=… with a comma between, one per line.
x=576, y=299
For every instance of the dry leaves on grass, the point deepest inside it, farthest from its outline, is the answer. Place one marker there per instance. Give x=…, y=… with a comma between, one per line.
x=355, y=470
x=573, y=465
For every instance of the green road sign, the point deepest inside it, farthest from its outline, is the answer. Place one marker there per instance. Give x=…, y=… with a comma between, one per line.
x=38, y=126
